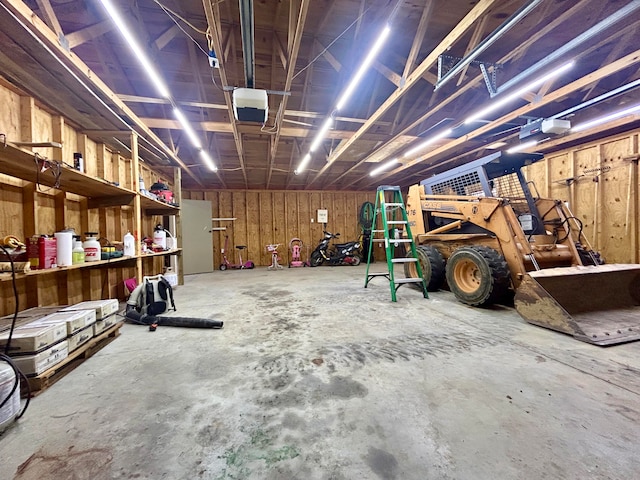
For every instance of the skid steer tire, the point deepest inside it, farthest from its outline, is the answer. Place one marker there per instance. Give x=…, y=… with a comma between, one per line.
x=478, y=275
x=432, y=265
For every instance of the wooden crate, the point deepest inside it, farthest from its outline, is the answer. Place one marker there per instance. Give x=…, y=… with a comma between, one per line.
x=43, y=381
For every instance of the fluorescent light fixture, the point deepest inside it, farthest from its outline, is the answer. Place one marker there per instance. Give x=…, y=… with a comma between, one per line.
x=151, y=72
x=518, y=93
x=321, y=133
x=606, y=118
x=363, y=68
x=186, y=126
x=523, y=146
x=385, y=166
x=428, y=142
x=303, y=164
x=206, y=158
x=345, y=96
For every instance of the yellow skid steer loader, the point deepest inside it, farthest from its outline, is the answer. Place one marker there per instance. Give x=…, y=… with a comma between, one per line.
x=481, y=229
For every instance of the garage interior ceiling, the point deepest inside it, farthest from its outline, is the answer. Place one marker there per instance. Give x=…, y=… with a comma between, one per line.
x=304, y=53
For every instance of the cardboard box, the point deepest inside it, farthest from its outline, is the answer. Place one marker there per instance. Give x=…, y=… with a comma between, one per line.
x=104, y=324
x=33, y=252
x=103, y=308
x=32, y=365
x=29, y=339
x=26, y=316
x=80, y=338
x=75, y=321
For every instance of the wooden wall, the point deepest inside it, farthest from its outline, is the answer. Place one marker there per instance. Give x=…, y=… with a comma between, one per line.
x=599, y=180
x=266, y=217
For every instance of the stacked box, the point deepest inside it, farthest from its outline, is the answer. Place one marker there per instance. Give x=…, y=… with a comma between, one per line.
x=80, y=338
x=26, y=316
x=104, y=324
x=32, y=365
x=103, y=308
x=30, y=339
x=75, y=320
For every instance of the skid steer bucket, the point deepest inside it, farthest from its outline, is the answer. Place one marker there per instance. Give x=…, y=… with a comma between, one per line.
x=595, y=304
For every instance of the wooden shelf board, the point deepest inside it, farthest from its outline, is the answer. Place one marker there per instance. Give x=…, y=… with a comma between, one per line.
x=155, y=207
x=20, y=163
x=175, y=251
x=100, y=263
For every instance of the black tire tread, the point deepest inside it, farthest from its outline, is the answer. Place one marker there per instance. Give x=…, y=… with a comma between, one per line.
x=430, y=260
x=500, y=276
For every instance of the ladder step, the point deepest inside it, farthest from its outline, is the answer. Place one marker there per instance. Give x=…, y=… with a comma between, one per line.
x=396, y=222
x=377, y=231
x=404, y=260
x=381, y=274
x=394, y=240
x=394, y=204
x=408, y=280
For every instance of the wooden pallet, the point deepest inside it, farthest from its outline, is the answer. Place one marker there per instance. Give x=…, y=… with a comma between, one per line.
x=47, y=378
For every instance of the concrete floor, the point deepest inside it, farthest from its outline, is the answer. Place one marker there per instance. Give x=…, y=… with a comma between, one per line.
x=315, y=377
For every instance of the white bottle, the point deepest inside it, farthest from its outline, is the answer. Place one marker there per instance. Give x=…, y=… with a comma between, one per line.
x=91, y=247
x=129, y=245
x=160, y=237
x=78, y=252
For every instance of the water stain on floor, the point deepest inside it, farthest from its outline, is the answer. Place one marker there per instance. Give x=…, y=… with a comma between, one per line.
x=44, y=465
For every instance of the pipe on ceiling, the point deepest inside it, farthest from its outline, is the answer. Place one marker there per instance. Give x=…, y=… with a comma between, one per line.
x=487, y=42
x=579, y=40
x=247, y=27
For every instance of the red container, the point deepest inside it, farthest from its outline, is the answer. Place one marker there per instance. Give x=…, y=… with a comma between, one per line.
x=46, y=252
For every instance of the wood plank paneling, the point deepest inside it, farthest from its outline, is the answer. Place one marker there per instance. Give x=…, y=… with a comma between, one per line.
x=615, y=199
x=265, y=217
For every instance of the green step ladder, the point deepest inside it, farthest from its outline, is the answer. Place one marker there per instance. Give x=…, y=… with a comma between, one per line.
x=388, y=211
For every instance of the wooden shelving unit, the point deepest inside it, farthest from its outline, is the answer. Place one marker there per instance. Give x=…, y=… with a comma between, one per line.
x=6, y=276
x=26, y=165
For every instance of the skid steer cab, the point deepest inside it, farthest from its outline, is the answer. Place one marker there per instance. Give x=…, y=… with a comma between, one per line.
x=486, y=232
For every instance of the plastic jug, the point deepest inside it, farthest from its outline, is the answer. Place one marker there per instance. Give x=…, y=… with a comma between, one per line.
x=160, y=237
x=91, y=247
x=129, y=245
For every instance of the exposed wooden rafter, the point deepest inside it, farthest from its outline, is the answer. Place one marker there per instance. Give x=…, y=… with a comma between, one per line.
x=212, y=13
x=478, y=11
x=83, y=35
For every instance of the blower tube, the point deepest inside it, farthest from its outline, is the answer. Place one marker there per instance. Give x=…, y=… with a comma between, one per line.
x=136, y=317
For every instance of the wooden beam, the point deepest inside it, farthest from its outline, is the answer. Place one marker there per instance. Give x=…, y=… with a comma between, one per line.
x=288, y=132
x=473, y=42
x=291, y=65
x=50, y=17
x=280, y=49
x=165, y=37
x=215, y=106
x=389, y=74
x=89, y=33
x=478, y=11
x=625, y=62
x=479, y=79
x=40, y=29
x=418, y=38
x=328, y=56
x=212, y=12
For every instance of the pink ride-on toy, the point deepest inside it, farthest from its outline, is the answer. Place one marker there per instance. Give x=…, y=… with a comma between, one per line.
x=295, y=245
x=241, y=264
x=273, y=250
